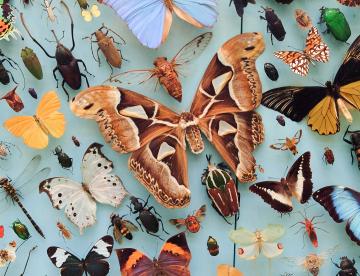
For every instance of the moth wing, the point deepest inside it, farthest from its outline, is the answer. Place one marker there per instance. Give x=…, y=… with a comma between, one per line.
x=250, y=252
x=297, y=61
x=279, y=146
x=104, y=186
x=201, y=212
x=272, y=232
x=69, y=264
x=315, y=47
x=272, y=249
x=134, y=263
x=242, y=236
x=95, y=263
x=80, y=208
x=177, y=222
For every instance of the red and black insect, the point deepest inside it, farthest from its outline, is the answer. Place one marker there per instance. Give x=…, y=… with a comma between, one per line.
x=221, y=188
x=274, y=24
x=355, y=142
x=192, y=222
x=328, y=156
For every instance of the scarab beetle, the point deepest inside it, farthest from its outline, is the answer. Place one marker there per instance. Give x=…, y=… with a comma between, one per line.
x=64, y=159
x=274, y=24
x=20, y=230
x=355, y=142
x=271, y=71
x=347, y=267
x=336, y=23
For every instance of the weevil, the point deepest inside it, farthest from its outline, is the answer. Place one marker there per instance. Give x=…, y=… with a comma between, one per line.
x=49, y=10
x=67, y=64
x=5, y=74
x=107, y=46
x=274, y=24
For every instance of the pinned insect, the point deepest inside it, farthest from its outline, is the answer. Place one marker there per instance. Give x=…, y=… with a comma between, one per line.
x=13, y=100
x=1, y=231
x=32, y=62
x=355, y=142
x=274, y=24
x=289, y=143
x=192, y=222
x=49, y=10
x=7, y=20
x=32, y=93
x=271, y=71
x=67, y=64
x=107, y=46
x=24, y=178
x=75, y=141
x=221, y=188
x=303, y=19
x=212, y=246
x=20, y=230
x=336, y=23
x=6, y=149
x=328, y=156
x=122, y=228
x=167, y=72
x=65, y=233
x=350, y=3
x=346, y=266
x=281, y=120
x=5, y=74
x=87, y=13
x=146, y=217
x=64, y=159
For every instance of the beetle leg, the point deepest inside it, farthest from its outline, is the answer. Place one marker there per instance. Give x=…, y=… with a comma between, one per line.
x=352, y=156
x=54, y=74
x=98, y=57
x=12, y=77
x=111, y=68
x=162, y=226
x=334, y=263
x=86, y=79
x=152, y=208
x=272, y=40
x=63, y=86
x=152, y=234
x=137, y=220
x=147, y=201
x=83, y=63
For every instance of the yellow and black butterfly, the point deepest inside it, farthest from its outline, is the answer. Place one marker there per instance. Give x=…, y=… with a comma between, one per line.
x=322, y=104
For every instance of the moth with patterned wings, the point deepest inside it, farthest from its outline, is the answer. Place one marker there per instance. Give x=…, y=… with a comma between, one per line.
x=94, y=263
x=98, y=185
x=297, y=184
x=222, y=109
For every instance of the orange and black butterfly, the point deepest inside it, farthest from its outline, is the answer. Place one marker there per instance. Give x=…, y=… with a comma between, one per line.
x=350, y=3
x=322, y=104
x=315, y=50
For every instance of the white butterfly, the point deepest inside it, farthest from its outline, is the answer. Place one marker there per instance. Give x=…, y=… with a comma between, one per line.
x=98, y=185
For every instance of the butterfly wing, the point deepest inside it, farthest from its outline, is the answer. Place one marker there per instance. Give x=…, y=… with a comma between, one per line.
x=242, y=236
x=149, y=20
x=104, y=186
x=69, y=264
x=272, y=249
x=95, y=263
x=315, y=47
x=80, y=207
x=250, y=252
x=343, y=204
x=272, y=232
x=297, y=61
x=299, y=178
x=134, y=263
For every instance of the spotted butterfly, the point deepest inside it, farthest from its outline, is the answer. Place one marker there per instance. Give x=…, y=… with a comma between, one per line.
x=315, y=50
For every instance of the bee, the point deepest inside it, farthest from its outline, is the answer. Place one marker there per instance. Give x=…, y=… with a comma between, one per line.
x=122, y=228
x=192, y=222
x=289, y=143
x=328, y=156
x=64, y=231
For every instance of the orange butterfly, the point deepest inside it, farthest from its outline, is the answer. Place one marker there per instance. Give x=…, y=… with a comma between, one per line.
x=315, y=50
x=35, y=129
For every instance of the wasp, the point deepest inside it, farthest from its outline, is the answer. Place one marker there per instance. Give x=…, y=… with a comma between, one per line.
x=122, y=228
x=66, y=233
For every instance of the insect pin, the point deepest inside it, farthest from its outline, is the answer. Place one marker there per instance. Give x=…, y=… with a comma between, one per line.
x=336, y=23
x=281, y=120
x=289, y=143
x=346, y=266
x=20, y=230
x=64, y=160
x=274, y=24
x=122, y=228
x=192, y=222
x=271, y=71
x=303, y=19
x=75, y=141
x=65, y=233
x=354, y=142
x=328, y=156
x=212, y=246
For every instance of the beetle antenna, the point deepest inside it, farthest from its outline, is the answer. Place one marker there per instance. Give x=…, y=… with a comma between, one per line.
x=103, y=26
x=56, y=39
x=72, y=24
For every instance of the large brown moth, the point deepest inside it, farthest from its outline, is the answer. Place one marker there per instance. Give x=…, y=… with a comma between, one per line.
x=155, y=135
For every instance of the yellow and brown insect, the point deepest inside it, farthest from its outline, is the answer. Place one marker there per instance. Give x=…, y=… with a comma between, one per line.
x=328, y=156
x=66, y=233
x=303, y=19
x=289, y=143
x=122, y=228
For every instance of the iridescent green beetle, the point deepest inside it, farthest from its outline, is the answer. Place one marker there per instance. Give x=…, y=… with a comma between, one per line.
x=20, y=230
x=336, y=23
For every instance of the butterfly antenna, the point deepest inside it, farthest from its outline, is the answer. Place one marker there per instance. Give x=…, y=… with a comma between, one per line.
x=321, y=84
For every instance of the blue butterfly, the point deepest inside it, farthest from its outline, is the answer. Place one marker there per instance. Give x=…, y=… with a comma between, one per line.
x=343, y=204
x=150, y=20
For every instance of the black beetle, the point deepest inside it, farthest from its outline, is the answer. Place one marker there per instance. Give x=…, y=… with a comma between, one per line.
x=75, y=141
x=67, y=64
x=355, y=142
x=64, y=159
x=146, y=217
x=4, y=73
x=271, y=71
x=347, y=267
x=274, y=24
x=281, y=120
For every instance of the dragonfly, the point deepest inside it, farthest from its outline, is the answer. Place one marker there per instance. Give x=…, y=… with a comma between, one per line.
x=11, y=189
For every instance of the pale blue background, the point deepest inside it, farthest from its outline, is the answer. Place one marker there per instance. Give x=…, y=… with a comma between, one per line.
x=254, y=213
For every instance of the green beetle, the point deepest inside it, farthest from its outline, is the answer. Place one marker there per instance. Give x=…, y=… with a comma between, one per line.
x=336, y=23
x=32, y=62
x=20, y=230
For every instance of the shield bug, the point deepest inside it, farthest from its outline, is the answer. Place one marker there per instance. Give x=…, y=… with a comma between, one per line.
x=355, y=142
x=221, y=189
x=67, y=64
x=328, y=156
x=65, y=233
x=122, y=228
x=303, y=19
x=212, y=246
x=274, y=24
x=32, y=62
x=271, y=71
x=32, y=93
x=281, y=120
x=336, y=23
x=75, y=141
x=20, y=230
x=64, y=159
x=1, y=231
x=13, y=100
x=146, y=218
x=346, y=266
x=192, y=222
x=289, y=143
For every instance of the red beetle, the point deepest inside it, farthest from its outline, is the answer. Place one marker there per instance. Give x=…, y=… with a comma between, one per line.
x=328, y=156
x=192, y=222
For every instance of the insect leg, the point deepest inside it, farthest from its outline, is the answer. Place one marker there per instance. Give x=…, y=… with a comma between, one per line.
x=63, y=86
x=162, y=226
x=86, y=79
x=83, y=63
x=152, y=234
x=98, y=57
x=12, y=77
x=346, y=132
x=352, y=156
x=334, y=263
x=54, y=74
x=137, y=220
x=152, y=208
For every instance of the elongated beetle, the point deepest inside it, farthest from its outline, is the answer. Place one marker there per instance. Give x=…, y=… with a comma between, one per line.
x=6, y=74
x=64, y=159
x=274, y=24
x=146, y=217
x=355, y=142
x=67, y=64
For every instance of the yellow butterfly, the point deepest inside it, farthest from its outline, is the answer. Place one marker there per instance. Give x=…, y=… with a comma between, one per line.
x=89, y=14
x=35, y=129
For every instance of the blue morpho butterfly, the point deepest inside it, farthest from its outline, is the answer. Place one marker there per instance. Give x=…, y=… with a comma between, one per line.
x=150, y=20
x=343, y=204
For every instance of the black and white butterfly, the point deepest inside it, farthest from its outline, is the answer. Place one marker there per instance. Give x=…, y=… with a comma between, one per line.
x=94, y=264
x=98, y=185
x=297, y=184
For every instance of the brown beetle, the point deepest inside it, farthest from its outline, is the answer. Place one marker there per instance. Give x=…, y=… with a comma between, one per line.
x=107, y=46
x=329, y=156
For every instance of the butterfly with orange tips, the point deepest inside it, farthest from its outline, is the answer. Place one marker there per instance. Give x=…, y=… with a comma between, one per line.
x=315, y=50
x=35, y=129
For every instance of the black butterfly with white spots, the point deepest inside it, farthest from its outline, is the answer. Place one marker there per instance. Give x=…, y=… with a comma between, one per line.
x=94, y=264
